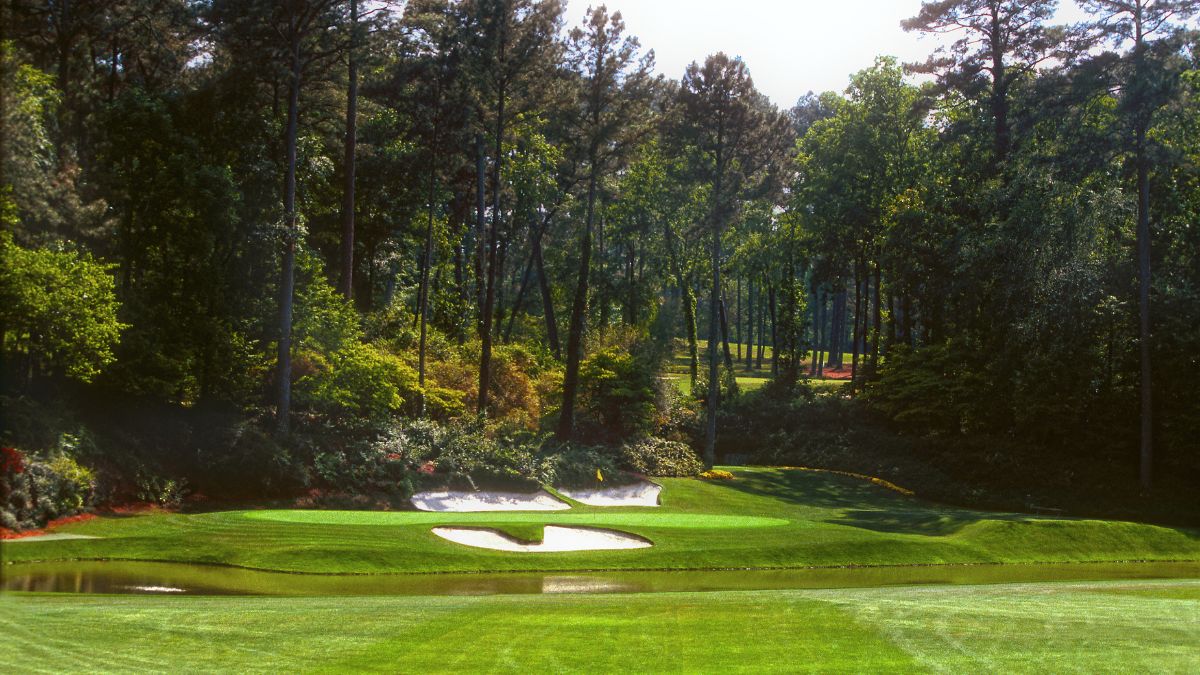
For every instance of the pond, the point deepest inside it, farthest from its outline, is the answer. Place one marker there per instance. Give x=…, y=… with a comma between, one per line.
x=185, y=579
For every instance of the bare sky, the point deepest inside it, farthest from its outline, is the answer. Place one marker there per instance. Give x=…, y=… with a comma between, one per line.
x=791, y=46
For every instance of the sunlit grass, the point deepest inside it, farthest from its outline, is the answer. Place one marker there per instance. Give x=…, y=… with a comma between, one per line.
x=1053, y=627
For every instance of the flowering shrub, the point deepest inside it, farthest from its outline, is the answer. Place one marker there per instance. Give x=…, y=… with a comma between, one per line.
x=33, y=491
x=11, y=461
x=657, y=457
x=717, y=474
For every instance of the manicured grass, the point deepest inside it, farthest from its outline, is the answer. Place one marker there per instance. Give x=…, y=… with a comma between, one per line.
x=1077, y=627
x=748, y=379
x=765, y=518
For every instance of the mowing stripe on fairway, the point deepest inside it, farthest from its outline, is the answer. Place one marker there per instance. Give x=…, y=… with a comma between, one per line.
x=688, y=521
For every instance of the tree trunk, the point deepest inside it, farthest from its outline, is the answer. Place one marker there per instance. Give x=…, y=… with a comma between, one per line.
x=822, y=332
x=489, y=299
x=774, y=332
x=287, y=283
x=858, y=317
x=816, y=330
x=346, y=282
x=525, y=276
x=602, y=295
x=999, y=100
x=891, y=321
x=566, y=419
x=423, y=293
x=878, y=330
x=762, y=326
x=737, y=319
x=689, y=304
x=547, y=301
x=1146, y=463
x=714, y=383
x=631, y=279
x=480, y=232
x=750, y=300
x=725, y=337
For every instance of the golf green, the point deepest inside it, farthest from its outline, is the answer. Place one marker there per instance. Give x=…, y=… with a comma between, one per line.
x=394, y=518
x=764, y=518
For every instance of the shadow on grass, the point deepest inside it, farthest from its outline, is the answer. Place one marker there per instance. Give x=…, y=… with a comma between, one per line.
x=929, y=522
x=858, y=503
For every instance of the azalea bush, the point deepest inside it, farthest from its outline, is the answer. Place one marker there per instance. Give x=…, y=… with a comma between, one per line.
x=464, y=454
x=652, y=456
x=34, y=491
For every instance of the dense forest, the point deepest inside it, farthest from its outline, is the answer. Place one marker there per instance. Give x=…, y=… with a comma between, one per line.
x=331, y=249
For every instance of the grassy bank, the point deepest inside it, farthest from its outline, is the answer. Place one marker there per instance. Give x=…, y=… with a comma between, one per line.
x=1089, y=627
x=764, y=518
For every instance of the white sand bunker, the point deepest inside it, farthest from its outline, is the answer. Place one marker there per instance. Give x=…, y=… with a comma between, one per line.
x=463, y=502
x=554, y=539
x=637, y=494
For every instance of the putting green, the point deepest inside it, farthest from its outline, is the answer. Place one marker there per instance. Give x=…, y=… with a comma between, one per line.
x=687, y=521
x=765, y=518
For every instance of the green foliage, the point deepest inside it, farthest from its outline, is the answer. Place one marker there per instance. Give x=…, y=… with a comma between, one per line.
x=659, y=457
x=163, y=491
x=619, y=388
x=58, y=309
x=324, y=321
x=40, y=490
x=931, y=390
x=582, y=466
x=358, y=379
x=460, y=454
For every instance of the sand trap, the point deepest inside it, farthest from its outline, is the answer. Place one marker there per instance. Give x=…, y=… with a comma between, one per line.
x=462, y=502
x=555, y=539
x=49, y=537
x=638, y=494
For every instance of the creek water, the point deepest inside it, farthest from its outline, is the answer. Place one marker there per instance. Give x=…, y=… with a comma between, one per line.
x=122, y=577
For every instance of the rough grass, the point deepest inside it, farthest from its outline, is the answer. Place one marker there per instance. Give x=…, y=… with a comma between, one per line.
x=765, y=518
x=1077, y=627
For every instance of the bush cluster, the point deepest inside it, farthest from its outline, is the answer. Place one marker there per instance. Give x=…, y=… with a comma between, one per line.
x=34, y=491
x=658, y=457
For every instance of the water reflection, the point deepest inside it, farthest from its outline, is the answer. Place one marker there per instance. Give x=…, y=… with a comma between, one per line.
x=175, y=579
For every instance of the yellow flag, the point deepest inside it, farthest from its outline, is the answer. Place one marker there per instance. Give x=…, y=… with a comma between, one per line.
x=599, y=476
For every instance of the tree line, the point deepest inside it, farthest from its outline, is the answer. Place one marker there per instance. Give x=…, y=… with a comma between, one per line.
x=1001, y=239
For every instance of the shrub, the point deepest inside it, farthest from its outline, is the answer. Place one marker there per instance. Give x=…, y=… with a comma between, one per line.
x=582, y=466
x=516, y=393
x=160, y=490
x=716, y=474
x=679, y=417
x=33, y=491
x=618, y=393
x=359, y=379
x=459, y=454
x=658, y=457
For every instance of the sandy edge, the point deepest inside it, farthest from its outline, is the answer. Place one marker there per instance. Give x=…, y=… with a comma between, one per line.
x=556, y=539
x=467, y=502
x=637, y=494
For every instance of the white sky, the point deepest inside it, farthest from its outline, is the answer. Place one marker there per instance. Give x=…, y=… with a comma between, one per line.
x=790, y=46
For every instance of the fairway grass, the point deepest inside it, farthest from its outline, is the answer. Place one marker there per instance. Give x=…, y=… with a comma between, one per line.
x=766, y=518
x=1079, y=627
